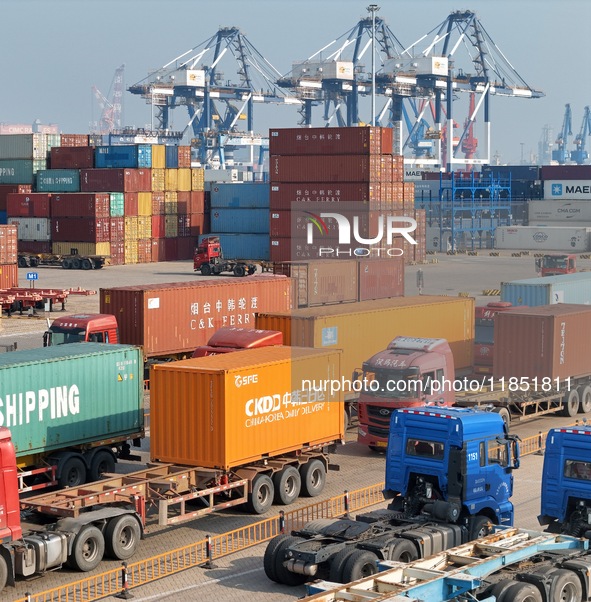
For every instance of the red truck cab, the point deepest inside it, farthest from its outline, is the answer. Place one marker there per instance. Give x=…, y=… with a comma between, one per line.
x=410, y=372
x=10, y=518
x=209, y=250
x=227, y=340
x=82, y=328
x=484, y=335
x=555, y=264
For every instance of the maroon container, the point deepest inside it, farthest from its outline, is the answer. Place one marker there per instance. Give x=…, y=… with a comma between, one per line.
x=289, y=249
x=283, y=195
x=74, y=140
x=184, y=156
x=330, y=141
x=193, y=224
x=183, y=202
x=381, y=278
x=130, y=204
x=8, y=275
x=158, y=226
x=186, y=247
x=115, y=180
x=117, y=230
x=144, y=312
x=33, y=246
x=549, y=341
x=196, y=202
x=8, y=244
x=34, y=204
x=117, y=251
x=326, y=168
x=144, y=250
x=6, y=189
x=82, y=229
x=158, y=249
x=71, y=157
x=565, y=172
x=80, y=205
x=170, y=249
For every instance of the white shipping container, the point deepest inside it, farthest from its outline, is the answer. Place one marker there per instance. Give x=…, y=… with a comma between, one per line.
x=559, y=224
x=559, y=211
x=327, y=70
x=557, y=190
x=220, y=175
x=544, y=238
x=32, y=228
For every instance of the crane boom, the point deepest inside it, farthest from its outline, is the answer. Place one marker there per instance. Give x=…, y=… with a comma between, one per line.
x=579, y=155
x=561, y=155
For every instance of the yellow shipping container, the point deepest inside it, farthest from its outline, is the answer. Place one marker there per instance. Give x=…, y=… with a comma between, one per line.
x=198, y=179
x=131, y=228
x=144, y=203
x=363, y=329
x=235, y=408
x=171, y=179
x=82, y=248
x=131, y=255
x=184, y=179
x=144, y=226
x=171, y=226
x=158, y=180
x=158, y=156
x=171, y=203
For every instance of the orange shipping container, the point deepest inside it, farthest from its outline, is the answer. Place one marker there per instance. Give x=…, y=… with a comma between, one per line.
x=8, y=244
x=236, y=408
x=8, y=275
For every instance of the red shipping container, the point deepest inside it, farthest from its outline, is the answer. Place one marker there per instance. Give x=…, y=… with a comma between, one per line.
x=196, y=202
x=199, y=223
x=158, y=226
x=130, y=204
x=158, y=204
x=183, y=201
x=83, y=229
x=117, y=251
x=34, y=204
x=158, y=249
x=330, y=141
x=381, y=278
x=6, y=189
x=184, y=156
x=324, y=168
x=115, y=180
x=8, y=275
x=144, y=250
x=200, y=308
x=288, y=249
x=8, y=244
x=80, y=205
x=71, y=157
x=283, y=195
x=170, y=249
x=565, y=172
x=74, y=140
x=186, y=248
x=117, y=229
x=33, y=246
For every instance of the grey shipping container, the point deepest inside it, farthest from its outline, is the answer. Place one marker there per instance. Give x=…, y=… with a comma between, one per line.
x=27, y=146
x=70, y=395
x=565, y=288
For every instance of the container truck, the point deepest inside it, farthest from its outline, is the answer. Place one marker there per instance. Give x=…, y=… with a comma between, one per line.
x=209, y=259
x=448, y=479
x=72, y=261
x=555, y=264
x=227, y=340
x=484, y=335
x=565, y=288
x=72, y=410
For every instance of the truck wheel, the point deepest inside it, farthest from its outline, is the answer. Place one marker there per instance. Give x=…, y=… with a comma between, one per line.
x=313, y=476
x=239, y=270
x=498, y=589
x=88, y=549
x=570, y=404
x=481, y=526
x=402, y=550
x=102, y=462
x=23, y=262
x=282, y=574
x=565, y=585
x=585, y=399
x=122, y=537
x=505, y=415
x=86, y=264
x=521, y=592
x=361, y=563
x=67, y=264
x=270, y=554
x=261, y=497
x=76, y=263
x=288, y=484
x=337, y=564
x=72, y=473
x=3, y=573
x=205, y=269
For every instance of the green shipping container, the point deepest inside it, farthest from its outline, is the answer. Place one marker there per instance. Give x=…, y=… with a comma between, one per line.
x=55, y=397
x=58, y=180
x=117, y=204
x=16, y=171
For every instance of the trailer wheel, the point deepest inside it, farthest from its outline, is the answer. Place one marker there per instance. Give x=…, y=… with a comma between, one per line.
x=565, y=585
x=261, y=497
x=288, y=484
x=361, y=563
x=67, y=264
x=86, y=264
x=522, y=592
x=72, y=473
x=498, y=589
x=3, y=573
x=313, y=476
x=270, y=554
x=76, y=263
x=481, y=526
x=585, y=399
x=282, y=574
x=337, y=564
x=205, y=269
x=88, y=549
x=402, y=550
x=122, y=537
x=239, y=270
x=570, y=404
x=23, y=262
x=102, y=462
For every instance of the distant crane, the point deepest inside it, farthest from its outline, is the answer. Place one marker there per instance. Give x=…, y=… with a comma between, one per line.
x=111, y=105
x=561, y=155
x=468, y=142
x=580, y=155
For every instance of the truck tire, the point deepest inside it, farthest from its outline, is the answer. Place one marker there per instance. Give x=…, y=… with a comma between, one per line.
x=86, y=264
x=481, y=526
x=88, y=549
x=76, y=263
x=522, y=592
x=205, y=269
x=67, y=264
x=498, y=589
x=102, y=462
x=361, y=563
x=313, y=476
x=402, y=550
x=287, y=483
x=270, y=555
x=3, y=573
x=565, y=585
x=570, y=404
x=261, y=497
x=23, y=262
x=122, y=537
x=584, y=399
x=505, y=415
x=282, y=574
x=72, y=472
x=239, y=270
x=337, y=564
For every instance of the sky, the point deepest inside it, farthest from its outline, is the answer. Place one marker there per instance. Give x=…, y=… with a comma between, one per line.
x=54, y=51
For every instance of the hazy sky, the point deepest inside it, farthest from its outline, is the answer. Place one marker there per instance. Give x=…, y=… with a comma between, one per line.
x=54, y=51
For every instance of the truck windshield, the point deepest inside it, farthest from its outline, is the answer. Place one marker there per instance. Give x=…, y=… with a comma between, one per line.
x=60, y=336
x=392, y=383
x=484, y=333
x=555, y=262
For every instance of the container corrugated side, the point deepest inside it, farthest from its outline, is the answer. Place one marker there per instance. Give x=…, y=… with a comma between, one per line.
x=17, y=171
x=32, y=228
x=81, y=248
x=363, y=329
x=58, y=180
x=71, y=157
x=551, y=341
x=213, y=421
x=8, y=275
x=199, y=309
x=244, y=195
x=28, y=205
x=8, y=244
x=27, y=146
x=87, y=229
x=565, y=288
x=323, y=168
x=238, y=221
x=544, y=238
x=381, y=278
x=80, y=205
x=54, y=397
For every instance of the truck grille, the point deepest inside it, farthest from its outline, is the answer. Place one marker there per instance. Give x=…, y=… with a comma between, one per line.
x=378, y=432
x=379, y=412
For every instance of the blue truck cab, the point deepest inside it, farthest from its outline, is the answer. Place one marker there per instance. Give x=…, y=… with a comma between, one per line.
x=455, y=462
x=566, y=481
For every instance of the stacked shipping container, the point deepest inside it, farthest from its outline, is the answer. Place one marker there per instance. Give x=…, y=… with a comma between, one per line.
x=8, y=257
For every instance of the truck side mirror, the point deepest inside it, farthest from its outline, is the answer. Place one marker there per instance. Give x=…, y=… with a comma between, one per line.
x=356, y=375
x=46, y=338
x=538, y=264
x=513, y=452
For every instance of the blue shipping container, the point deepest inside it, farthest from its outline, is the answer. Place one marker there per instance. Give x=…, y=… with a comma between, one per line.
x=131, y=156
x=171, y=157
x=58, y=180
x=244, y=246
x=241, y=194
x=566, y=288
x=237, y=221
x=3, y=217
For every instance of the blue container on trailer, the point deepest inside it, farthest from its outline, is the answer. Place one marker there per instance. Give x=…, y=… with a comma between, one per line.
x=237, y=221
x=58, y=180
x=171, y=157
x=565, y=288
x=241, y=194
x=243, y=246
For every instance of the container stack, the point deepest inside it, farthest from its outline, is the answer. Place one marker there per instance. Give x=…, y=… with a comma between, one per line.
x=23, y=155
x=240, y=218
x=8, y=257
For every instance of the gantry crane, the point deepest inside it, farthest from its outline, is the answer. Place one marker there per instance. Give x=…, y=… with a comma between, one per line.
x=561, y=154
x=580, y=155
x=111, y=105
